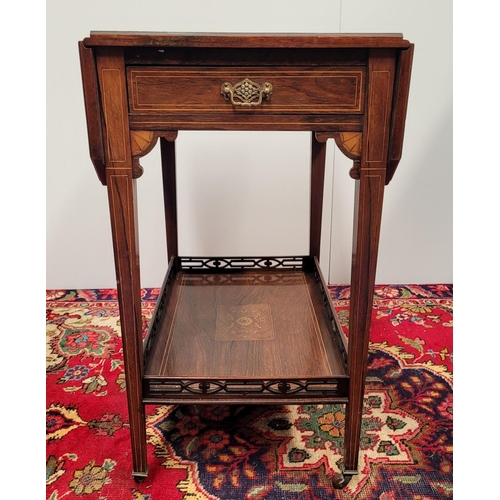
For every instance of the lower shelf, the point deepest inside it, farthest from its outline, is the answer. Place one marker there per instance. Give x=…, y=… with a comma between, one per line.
x=244, y=330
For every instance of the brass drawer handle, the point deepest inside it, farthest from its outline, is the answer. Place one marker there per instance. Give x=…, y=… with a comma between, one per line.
x=246, y=92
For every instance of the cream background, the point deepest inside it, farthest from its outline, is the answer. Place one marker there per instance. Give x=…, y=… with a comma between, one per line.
x=255, y=186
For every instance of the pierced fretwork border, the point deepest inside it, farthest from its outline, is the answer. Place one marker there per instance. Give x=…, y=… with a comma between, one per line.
x=226, y=263
x=159, y=309
x=158, y=388
x=334, y=322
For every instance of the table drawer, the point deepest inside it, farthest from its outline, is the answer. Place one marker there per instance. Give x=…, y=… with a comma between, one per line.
x=228, y=90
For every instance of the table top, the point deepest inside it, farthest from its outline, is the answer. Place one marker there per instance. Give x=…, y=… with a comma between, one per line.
x=315, y=97
x=246, y=40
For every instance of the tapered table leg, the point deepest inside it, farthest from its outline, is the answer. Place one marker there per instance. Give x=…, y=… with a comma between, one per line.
x=123, y=212
x=367, y=219
x=318, y=157
x=167, y=149
x=368, y=199
x=121, y=193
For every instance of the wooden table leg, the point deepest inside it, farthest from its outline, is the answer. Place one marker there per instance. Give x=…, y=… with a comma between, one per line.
x=123, y=211
x=368, y=196
x=318, y=157
x=167, y=149
x=121, y=193
x=367, y=219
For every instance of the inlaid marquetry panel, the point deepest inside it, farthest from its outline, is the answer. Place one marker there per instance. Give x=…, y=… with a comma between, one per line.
x=244, y=322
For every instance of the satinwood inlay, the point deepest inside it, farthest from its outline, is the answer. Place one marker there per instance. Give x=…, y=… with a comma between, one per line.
x=244, y=322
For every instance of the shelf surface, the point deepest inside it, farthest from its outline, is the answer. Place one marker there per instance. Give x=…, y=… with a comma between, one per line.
x=245, y=324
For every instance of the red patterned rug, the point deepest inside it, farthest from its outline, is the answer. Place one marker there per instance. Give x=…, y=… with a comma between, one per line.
x=252, y=452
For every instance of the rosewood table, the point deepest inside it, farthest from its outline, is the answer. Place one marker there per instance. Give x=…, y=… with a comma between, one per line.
x=245, y=330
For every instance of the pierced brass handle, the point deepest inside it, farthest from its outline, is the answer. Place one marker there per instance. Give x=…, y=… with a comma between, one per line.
x=246, y=92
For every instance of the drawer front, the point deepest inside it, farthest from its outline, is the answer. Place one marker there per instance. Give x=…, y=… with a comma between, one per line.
x=202, y=90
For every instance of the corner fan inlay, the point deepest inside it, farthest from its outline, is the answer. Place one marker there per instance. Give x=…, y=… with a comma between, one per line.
x=349, y=143
x=142, y=142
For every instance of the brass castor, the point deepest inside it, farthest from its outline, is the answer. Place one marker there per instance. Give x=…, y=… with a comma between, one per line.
x=340, y=481
x=140, y=476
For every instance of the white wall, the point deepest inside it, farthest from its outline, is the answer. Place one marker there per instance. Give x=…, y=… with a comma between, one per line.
x=416, y=240
x=416, y=244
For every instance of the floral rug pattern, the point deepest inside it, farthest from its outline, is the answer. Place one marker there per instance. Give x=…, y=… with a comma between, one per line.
x=253, y=452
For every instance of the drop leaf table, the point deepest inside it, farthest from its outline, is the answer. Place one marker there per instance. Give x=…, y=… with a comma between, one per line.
x=257, y=329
